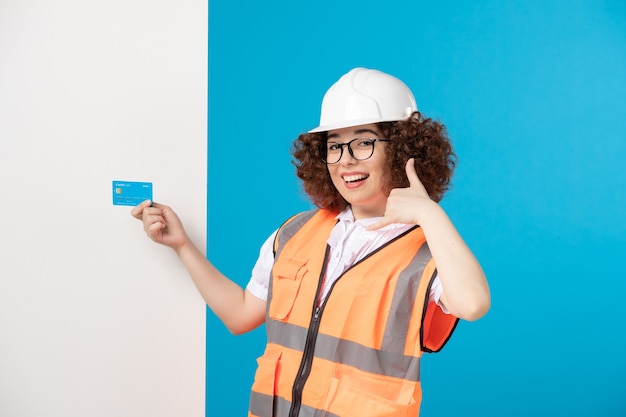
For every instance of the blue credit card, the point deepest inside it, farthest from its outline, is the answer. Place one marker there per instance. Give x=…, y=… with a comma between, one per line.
x=131, y=193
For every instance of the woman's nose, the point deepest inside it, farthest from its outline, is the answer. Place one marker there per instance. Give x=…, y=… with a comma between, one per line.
x=346, y=156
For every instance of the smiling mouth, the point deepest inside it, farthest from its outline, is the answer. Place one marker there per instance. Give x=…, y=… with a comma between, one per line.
x=355, y=178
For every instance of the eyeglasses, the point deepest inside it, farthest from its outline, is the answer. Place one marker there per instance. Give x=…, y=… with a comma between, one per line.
x=359, y=149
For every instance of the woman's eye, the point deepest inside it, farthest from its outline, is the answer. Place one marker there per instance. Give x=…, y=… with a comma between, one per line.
x=365, y=142
x=334, y=146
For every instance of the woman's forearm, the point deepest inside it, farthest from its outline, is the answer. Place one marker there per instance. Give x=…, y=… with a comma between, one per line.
x=239, y=310
x=465, y=289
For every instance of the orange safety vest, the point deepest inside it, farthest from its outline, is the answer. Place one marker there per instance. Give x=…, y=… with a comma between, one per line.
x=357, y=353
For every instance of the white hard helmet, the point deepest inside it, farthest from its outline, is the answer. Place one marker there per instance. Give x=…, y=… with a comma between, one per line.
x=364, y=96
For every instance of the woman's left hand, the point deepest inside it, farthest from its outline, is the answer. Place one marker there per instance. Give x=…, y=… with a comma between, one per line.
x=405, y=205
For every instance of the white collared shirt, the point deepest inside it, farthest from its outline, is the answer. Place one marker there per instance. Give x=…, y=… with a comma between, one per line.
x=349, y=242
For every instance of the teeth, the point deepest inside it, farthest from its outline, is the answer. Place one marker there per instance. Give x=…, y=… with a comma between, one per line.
x=352, y=178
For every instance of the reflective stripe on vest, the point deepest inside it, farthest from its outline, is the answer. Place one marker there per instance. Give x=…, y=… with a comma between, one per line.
x=358, y=353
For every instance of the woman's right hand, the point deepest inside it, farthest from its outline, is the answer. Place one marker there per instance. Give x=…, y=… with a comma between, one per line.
x=161, y=224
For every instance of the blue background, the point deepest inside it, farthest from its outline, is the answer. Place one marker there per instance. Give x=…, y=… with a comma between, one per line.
x=533, y=96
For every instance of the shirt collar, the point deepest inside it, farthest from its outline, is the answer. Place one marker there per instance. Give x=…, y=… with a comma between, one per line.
x=347, y=216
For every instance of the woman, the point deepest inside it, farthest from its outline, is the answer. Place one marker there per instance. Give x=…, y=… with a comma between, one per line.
x=353, y=292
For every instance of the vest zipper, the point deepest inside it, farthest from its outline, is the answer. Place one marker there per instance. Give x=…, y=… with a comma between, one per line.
x=309, y=347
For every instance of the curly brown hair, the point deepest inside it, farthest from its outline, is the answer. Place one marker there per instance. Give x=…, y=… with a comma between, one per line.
x=418, y=137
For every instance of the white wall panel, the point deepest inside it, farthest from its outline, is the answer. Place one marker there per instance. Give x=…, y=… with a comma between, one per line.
x=95, y=319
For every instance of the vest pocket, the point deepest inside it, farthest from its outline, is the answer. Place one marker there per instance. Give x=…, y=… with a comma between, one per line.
x=350, y=397
x=287, y=278
x=262, y=398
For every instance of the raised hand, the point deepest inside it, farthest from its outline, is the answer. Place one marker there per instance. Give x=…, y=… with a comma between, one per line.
x=405, y=205
x=161, y=224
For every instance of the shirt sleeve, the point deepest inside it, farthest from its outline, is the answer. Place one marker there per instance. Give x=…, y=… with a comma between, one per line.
x=435, y=294
x=260, y=279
